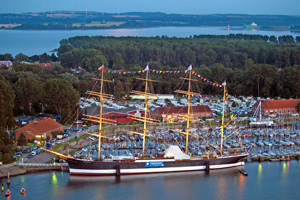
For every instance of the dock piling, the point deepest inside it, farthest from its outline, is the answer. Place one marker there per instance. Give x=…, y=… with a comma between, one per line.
x=118, y=170
x=207, y=167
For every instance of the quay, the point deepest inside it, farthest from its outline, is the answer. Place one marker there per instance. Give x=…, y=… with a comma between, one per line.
x=25, y=168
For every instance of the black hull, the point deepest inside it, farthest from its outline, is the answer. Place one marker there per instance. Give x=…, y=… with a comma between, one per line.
x=96, y=168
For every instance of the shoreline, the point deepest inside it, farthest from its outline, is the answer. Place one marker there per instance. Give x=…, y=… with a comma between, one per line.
x=21, y=170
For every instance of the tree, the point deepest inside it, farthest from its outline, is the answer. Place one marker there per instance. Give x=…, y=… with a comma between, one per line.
x=61, y=97
x=36, y=69
x=22, y=141
x=6, y=105
x=5, y=147
x=273, y=39
x=72, y=58
x=298, y=107
x=119, y=92
x=6, y=56
x=45, y=58
x=118, y=62
x=21, y=57
x=28, y=92
x=93, y=59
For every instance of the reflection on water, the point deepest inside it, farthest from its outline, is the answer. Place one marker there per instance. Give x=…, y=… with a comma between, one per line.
x=22, y=179
x=241, y=182
x=221, y=189
x=283, y=168
x=259, y=170
x=272, y=180
x=54, y=180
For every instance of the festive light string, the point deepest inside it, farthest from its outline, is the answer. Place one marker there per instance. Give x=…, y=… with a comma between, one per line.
x=121, y=72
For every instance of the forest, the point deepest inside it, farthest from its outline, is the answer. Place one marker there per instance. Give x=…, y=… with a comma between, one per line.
x=250, y=64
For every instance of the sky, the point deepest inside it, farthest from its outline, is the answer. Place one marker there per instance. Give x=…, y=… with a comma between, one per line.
x=281, y=7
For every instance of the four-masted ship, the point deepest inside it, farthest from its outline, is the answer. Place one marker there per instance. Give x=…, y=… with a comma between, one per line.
x=174, y=159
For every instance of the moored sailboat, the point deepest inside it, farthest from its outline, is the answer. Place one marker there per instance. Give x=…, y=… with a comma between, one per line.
x=174, y=159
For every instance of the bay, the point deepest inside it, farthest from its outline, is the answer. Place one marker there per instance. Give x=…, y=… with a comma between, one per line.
x=37, y=42
x=266, y=180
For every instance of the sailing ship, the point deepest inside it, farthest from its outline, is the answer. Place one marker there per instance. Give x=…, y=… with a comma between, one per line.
x=174, y=159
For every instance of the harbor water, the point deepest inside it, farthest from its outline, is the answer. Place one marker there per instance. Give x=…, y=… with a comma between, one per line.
x=18, y=41
x=267, y=180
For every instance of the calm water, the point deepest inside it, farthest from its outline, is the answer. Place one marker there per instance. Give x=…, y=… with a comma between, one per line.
x=38, y=42
x=265, y=181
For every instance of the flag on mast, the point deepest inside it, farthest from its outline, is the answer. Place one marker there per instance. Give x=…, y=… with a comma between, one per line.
x=188, y=69
x=147, y=68
x=101, y=68
x=224, y=83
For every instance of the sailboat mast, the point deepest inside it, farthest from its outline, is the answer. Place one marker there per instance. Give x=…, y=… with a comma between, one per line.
x=223, y=115
x=188, y=116
x=101, y=112
x=145, y=114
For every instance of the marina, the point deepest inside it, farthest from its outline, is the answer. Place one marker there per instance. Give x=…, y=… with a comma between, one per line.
x=262, y=144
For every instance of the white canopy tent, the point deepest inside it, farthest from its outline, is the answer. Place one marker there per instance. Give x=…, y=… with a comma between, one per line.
x=174, y=151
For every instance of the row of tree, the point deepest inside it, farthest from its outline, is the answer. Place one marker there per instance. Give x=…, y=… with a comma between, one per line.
x=124, y=53
x=43, y=58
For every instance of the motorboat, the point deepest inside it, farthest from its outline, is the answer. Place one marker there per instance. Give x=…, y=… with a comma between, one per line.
x=23, y=191
x=7, y=193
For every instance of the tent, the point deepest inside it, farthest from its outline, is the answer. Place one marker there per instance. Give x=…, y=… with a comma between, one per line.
x=174, y=151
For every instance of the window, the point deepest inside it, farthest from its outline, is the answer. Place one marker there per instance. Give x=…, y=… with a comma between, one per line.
x=276, y=111
x=280, y=111
x=208, y=114
x=202, y=115
x=284, y=110
x=293, y=110
x=267, y=112
x=289, y=110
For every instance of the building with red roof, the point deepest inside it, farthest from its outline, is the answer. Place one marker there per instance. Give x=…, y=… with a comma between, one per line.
x=45, y=66
x=6, y=63
x=274, y=107
x=120, y=116
x=42, y=128
x=170, y=113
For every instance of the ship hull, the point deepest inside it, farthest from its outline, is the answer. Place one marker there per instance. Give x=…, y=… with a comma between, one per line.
x=94, y=168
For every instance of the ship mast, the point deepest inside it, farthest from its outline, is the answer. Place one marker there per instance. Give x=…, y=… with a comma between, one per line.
x=223, y=113
x=100, y=120
x=187, y=117
x=144, y=119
